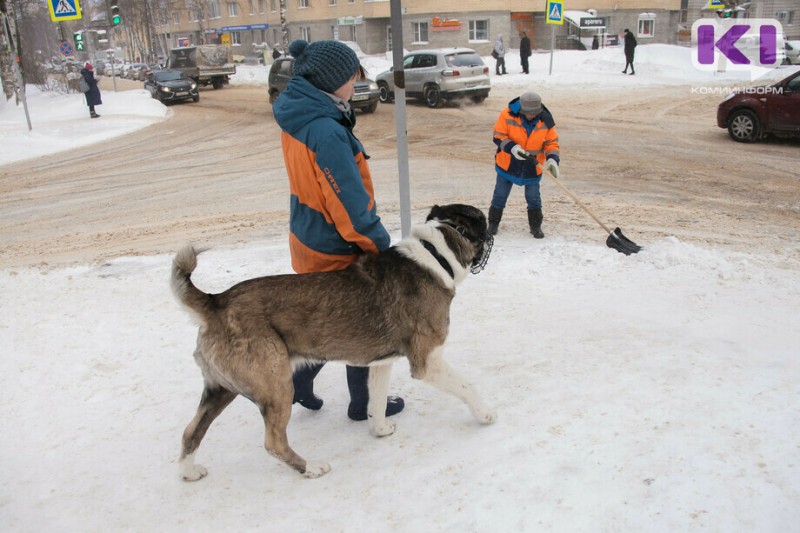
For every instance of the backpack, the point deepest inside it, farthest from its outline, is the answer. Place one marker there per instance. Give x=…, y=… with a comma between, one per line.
x=83, y=86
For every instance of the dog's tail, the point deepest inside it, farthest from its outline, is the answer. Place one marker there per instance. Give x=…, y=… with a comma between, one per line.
x=195, y=300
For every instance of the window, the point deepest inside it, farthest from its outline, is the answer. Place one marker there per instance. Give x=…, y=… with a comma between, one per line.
x=305, y=34
x=353, y=33
x=213, y=9
x=233, y=9
x=250, y=5
x=647, y=23
x=351, y=1
x=272, y=6
x=303, y=4
x=478, y=30
x=176, y=17
x=236, y=37
x=331, y=2
x=262, y=6
x=420, y=32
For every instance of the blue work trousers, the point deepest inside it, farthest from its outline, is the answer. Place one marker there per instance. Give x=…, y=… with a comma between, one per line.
x=503, y=188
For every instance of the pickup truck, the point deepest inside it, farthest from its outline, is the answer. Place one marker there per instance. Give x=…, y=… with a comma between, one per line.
x=205, y=64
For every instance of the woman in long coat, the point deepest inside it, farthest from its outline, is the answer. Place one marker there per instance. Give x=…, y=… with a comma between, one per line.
x=93, y=94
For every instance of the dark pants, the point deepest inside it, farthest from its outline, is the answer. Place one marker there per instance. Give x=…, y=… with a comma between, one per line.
x=629, y=60
x=524, y=62
x=501, y=63
x=503, y=188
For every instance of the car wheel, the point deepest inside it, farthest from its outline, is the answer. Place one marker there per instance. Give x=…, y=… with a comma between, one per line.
x=387, y=97
x=478, y=99
x=217, y=83
x=433, y=98
x=196, y=98
x=743, y=126
x=371, y=108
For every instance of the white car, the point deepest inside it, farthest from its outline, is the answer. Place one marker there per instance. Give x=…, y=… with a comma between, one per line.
x=792, y=52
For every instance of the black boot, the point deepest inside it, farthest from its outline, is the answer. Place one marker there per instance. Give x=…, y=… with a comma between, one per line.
x=495, y=215
x=303, y=379
x=535, y=218
x=357, y=377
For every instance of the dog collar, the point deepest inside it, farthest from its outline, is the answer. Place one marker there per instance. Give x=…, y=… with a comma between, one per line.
x=435, y=253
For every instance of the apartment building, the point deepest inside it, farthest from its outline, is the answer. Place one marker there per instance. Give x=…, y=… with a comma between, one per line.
x=251, y=26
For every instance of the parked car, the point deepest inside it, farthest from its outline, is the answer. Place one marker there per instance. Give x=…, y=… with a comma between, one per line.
x=792, y=50
x=439, y=75
x=750, y=114
x=366, y=91
x=171, y=85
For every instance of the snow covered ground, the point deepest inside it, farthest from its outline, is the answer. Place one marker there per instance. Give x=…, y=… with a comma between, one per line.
x=655, y=392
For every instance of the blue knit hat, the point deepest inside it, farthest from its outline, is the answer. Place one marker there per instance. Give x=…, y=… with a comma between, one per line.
x=326, y=64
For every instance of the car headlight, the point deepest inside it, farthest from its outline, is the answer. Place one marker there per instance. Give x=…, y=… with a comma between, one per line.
x=373, y=86
x=194, y=86
x=729, y=96
x=165, y=89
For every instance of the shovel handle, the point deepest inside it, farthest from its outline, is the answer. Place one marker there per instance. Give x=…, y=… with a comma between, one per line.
x=544, y=170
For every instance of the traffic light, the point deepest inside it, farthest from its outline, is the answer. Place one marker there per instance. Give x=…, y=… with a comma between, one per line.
x=78, y=37
x=116, y=18
x=725, y=13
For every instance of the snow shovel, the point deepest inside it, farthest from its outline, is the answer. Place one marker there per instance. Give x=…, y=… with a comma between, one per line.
x=616, y=239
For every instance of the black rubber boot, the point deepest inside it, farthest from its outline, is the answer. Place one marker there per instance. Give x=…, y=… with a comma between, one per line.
x=303, y=379
x=495, y=215
x=357, y=377
x=535, y=218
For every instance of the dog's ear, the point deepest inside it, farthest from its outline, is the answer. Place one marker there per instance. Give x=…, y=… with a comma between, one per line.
x=436, y=213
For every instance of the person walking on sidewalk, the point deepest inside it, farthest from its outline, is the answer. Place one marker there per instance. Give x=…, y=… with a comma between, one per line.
x=92, y=95
x=499, y=53
x=630, y=50
x=333, y=216
x=526, y=137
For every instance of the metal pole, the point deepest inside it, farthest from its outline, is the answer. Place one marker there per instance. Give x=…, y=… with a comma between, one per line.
x=552, y=45
x=400, y=117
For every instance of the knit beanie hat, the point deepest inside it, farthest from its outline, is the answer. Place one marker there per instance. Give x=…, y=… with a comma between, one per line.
x=530, y=104
x=88, y=66
x=326, y=64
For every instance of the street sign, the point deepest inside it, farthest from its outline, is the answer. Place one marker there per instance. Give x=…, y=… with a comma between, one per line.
x=66, y=49
x=716, y=4
x=64, y=10
x=555, y=12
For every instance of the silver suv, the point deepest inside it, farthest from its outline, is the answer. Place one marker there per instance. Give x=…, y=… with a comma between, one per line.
x=439, y=75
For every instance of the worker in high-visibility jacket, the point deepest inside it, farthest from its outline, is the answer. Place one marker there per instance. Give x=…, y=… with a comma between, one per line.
x=526, y=137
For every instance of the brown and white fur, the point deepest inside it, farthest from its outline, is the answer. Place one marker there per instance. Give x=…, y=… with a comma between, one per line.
x=381, y=308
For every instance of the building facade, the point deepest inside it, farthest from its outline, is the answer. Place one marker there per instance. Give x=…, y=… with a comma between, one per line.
x=253, y=26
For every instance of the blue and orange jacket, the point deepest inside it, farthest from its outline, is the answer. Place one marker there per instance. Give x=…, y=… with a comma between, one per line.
x=537, y=136
x=333, y=216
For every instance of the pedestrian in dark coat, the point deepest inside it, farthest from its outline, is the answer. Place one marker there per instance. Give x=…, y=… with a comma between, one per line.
x=524, y=51
x=93, y=94
x=630, y=47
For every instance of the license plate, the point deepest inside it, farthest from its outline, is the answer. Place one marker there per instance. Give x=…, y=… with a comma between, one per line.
x=359, y=97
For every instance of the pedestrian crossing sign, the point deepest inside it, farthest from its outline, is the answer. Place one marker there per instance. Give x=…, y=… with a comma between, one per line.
x=555, y=12
x=64, y=10
x=716, y=4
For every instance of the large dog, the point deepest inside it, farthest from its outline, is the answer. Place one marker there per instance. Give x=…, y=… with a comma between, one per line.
x=395, y=304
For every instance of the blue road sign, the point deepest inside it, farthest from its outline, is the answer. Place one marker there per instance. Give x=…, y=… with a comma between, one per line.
x=64, y=10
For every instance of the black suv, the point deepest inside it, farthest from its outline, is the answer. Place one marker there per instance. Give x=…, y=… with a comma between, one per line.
x=365, y=98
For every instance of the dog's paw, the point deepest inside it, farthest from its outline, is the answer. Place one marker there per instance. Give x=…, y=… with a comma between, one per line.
x=383, y=430
x=485, y=416
x=193, y=472
x=316, y=469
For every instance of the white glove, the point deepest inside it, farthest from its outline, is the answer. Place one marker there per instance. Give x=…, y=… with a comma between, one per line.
x=519, y=152
x=552, y=166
